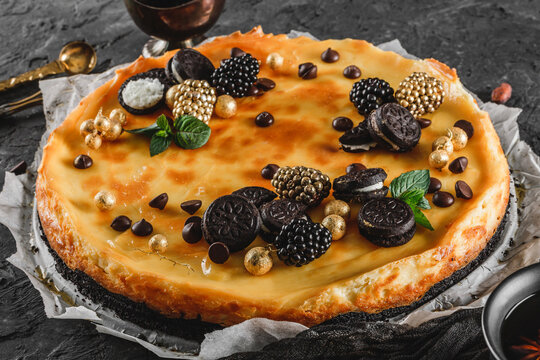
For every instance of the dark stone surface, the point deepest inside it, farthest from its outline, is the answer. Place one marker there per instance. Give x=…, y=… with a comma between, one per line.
x=487, y=42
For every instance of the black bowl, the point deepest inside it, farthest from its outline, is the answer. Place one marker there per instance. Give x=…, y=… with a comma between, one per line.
x=510, y=292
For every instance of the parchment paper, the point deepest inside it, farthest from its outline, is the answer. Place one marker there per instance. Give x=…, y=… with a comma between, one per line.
x=518, y=248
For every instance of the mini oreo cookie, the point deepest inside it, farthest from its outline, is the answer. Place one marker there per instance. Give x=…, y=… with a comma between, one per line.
x=393, y=127
x=189, y=64
x=232, y=220
x=387, y=222
x=361, y=186
x=358, y=139
x=280, y=212
x=154, y=102
x=256, y=195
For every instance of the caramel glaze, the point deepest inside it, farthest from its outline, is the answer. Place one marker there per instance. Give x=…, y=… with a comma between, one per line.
x=353, y=275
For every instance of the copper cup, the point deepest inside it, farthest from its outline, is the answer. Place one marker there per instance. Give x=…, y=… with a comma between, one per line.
x=174, y=23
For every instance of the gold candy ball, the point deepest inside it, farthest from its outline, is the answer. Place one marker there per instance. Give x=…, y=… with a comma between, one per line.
x=336, y=224
x=337, y=207
x=87, y=127
x=274, y=60
x=225, y=106
x=158, y=243
x=114, y=132
x=171, y=95
x=443, y=143
x=438, y=159
x=459, y=138
x=93, y=141
x=102, y=123
x=104, y=200
x=118, y=116
x=258, y=261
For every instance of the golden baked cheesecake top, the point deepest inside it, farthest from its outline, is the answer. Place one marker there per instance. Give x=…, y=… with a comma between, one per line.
x=353, y=275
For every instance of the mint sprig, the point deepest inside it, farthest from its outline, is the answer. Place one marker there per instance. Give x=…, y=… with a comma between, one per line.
x=411, y=187
x=187, y=132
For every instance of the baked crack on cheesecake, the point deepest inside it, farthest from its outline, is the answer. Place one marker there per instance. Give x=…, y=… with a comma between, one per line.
x=218, y=183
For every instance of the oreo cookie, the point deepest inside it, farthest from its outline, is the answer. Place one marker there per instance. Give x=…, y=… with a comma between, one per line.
x=358, y=139
x=394, y=128
x=361, y=186
x=189, y=64
x=232, y=220
x=277, y=213
x=387, y=222
x=144, y=93
x=256, y=195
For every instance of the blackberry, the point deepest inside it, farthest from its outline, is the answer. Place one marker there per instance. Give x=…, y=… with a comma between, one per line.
x=235, y=75
x=369, y=94
x=302, y=241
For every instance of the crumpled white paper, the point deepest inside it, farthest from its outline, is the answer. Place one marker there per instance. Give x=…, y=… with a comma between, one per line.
x=61, y=95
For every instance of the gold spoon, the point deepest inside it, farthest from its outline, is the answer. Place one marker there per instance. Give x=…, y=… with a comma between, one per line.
x=77, y=57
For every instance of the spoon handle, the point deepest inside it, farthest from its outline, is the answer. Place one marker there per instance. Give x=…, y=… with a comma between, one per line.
x=55, y=67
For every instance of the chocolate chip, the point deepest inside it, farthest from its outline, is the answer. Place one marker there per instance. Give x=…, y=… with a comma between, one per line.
x=330, y=56
x=192, y=232
x=355, y=167
x=434, y=185
x=236, y=52
x=142, y=228
x=121, y=223
x=307, y=71
x=342, y=123
x=192, y=219
x=465, y=126
x=191, y=206
x=269, y=170
x=264, y=119
x=254, y=91
x=265, y=84
x=159, y=201
x=19, y=169
x=352, y=72
x=458, y=165
x=442, y=199
x=218, y=252
x=463, y=190
x=83, y=162
x=423, y=122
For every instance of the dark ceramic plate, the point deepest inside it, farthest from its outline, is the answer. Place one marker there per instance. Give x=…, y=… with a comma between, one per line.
x=514, y=289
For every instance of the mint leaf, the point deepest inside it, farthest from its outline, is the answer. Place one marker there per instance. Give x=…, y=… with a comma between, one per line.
x=416, y=179
x=179, y=121
x=163, y=123
x=423, y=204
x=412, y=197
x=421, y=219
x=162, y=133
x=159, y=144
x=192, y=133
x=147, y=131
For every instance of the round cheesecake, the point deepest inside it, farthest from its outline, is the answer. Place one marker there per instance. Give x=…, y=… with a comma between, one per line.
x=353, y=275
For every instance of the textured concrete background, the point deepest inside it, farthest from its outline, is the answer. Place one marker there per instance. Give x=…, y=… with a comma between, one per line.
x=486, y=42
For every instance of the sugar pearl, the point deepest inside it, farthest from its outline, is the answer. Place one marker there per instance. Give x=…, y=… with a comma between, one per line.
x=158, y=243
x=104, y=200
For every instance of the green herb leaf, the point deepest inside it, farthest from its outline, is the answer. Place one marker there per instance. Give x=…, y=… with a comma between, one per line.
x=412, y=197
x=163, y=124
x=179, y=121
x=162, y=133
x=416, y=179
x=159, y=144
x=192, y=133
x=423, y=204
x=421, y=219
x=147, y=131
